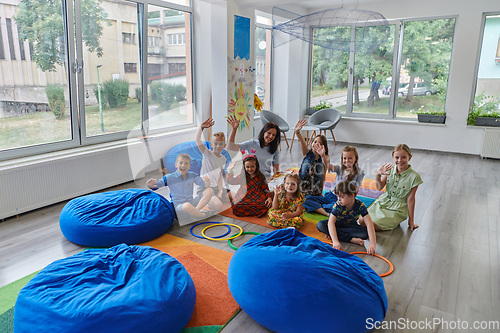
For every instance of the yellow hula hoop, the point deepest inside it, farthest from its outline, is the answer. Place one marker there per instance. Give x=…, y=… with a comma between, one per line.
x=222, y=239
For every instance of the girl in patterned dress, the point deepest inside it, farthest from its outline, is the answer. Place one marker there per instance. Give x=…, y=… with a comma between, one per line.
x=253, y=197
x=287, y=208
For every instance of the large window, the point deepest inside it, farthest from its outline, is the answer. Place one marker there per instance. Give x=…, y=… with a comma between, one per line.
x=358, y=83
x=263, y=63
x=71, y=80
x=486, y=101
x=424, y=66
x=170, y=88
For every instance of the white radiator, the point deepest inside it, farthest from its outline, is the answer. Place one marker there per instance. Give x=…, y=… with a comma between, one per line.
x=491, y=143
x=33, y=185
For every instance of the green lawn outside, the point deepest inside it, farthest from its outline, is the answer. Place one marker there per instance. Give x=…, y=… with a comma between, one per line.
x=404, y=108
x=43, y=127
x=326, y=90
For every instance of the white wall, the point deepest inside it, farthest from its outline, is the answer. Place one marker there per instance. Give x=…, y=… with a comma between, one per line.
x=455, y=136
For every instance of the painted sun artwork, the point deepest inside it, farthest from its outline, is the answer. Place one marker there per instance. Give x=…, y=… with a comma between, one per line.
x=240, y=105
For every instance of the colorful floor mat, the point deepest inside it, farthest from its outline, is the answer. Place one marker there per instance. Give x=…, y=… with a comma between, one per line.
x=367, y=194
x=207, y=266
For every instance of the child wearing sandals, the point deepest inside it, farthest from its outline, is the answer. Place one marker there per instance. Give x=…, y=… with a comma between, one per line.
x=342, y=224
x=253, y=197
x=287, y=208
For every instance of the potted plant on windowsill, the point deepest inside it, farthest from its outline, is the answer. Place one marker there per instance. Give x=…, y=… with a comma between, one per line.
x=482, y=112
x=320, y=106
x=430, y=116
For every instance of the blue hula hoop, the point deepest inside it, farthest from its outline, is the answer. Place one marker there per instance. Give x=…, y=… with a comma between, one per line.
x=194, y=226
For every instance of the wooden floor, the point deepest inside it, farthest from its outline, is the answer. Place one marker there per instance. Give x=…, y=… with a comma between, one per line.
x=448, y=268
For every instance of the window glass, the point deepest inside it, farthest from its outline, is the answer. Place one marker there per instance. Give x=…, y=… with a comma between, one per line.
x=169, y=68
x=425, y=66
x=372, y=76
x=111, y=69
x=34, y=92
x=330, y=71
x=487, y=95
x=423, y=73
x=263, y=66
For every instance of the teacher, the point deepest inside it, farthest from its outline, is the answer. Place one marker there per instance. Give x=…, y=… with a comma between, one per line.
x=266, y=147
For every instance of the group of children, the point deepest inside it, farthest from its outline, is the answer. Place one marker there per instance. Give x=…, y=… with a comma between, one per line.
x=349, y=219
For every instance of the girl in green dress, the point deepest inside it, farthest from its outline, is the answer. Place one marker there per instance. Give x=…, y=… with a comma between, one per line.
x=398, y=202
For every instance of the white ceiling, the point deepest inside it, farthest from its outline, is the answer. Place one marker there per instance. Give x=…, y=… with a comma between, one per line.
x=309, y=4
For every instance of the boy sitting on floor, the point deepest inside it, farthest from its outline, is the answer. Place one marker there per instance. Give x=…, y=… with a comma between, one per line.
x=213, y=163
x=181, y=183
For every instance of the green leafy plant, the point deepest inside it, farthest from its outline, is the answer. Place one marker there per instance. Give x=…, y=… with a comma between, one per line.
x=57, y=104
x=431, y=110
x=491, y=114
x=41, y=22
x=138, y=94
x=483, y=106
x=116, y=92
x=166, y=94
x=322, y=105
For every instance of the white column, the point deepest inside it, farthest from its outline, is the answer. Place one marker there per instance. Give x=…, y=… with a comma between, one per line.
x=235, y=67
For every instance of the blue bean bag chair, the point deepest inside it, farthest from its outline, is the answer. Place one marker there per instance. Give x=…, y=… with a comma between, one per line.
x=190, y=148
x=129, y=216
x=289, y=282
x=121, y=289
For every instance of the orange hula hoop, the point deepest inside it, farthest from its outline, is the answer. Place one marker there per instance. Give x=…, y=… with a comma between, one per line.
x=391, y=266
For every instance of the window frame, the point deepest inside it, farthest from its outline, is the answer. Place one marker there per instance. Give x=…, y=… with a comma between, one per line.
x=76, y=87
x=267, y=27
x=480, y=41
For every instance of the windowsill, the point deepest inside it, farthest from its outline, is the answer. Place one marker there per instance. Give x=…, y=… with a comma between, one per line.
x=78, y=151
x=392, y=121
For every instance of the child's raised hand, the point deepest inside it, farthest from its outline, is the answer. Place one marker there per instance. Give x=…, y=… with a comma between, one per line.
x=384, y=170
x=278, y=190
x=207, y=123
x=320, y=150
x=151, y=183
x=233, y=122
x=231, y=165
x=301, y=123
x=269, y=202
